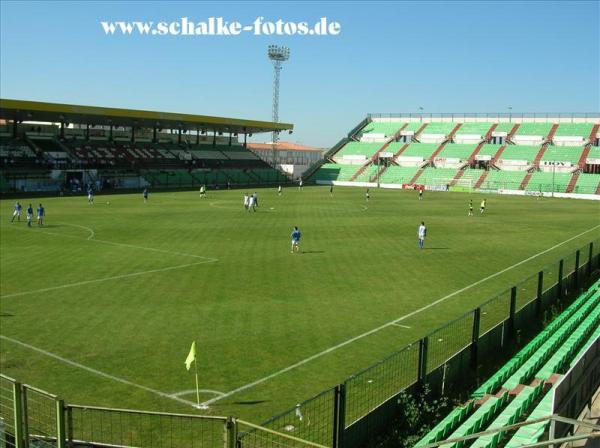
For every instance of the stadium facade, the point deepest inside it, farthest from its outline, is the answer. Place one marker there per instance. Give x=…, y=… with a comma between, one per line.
x=527, y=154
x=50, y=148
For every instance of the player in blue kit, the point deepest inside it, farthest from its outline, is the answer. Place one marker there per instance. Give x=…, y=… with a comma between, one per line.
x=17, y=212
x=29, y=215
x=40, y=215
x=296, y=240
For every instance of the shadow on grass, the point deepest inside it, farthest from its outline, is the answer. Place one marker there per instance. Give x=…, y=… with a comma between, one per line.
x=308, y=252
x=436, y=248
x=251, y=402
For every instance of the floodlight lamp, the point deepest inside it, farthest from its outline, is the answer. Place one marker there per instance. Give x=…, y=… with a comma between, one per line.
x=278, y=53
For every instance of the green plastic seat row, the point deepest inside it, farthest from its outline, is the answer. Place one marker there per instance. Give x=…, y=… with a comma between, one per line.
x=560, y=358
x=544, y=352
x=447, y=425
x=595, y=334
x=514, y=363
x=479, y=419
x=532, y=433
x=510, y=415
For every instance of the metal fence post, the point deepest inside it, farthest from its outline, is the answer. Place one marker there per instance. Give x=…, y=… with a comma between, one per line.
x=561, y=265
x=422, y=367
x=540, y=291
x=69, y=424
x=589, y=268
x=60, y=424
x=577, y=254
x=25, y=417
x=18, y=409
x=229, y=433
x=511, y=315
x=475, y=337
x=339, y=415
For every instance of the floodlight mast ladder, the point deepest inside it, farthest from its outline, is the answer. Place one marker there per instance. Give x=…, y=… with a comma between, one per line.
x=278, y=55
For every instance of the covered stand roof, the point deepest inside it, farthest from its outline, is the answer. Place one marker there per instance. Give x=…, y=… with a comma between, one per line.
x=105, y=116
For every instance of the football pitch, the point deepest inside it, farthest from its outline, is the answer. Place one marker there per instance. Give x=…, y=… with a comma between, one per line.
x=100, y=305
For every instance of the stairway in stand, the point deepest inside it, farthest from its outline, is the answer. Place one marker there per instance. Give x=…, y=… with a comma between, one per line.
x=481, y=179
x=497, y=155
x=485, y=140
x=550, y=135
x=539, y=155
x=525, y=181
x=382, y=170
x=593, y=134
x=374, y=156
x=512, y=132
x=416, y=134
x=416, y=176
x=572, y=183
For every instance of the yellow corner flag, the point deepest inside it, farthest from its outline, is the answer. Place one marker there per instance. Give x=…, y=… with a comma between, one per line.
x=191, y=357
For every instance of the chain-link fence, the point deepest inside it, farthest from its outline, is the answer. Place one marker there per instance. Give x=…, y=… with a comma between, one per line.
x=40, y=417
x=7, y=412
x=120, y=427
x=312, y=420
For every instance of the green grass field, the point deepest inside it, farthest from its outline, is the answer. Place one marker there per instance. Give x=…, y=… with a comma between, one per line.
x=101, y=305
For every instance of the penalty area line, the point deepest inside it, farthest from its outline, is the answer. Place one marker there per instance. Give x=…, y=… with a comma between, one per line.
x=97, y=372
x=104, y=279
x=393, y=322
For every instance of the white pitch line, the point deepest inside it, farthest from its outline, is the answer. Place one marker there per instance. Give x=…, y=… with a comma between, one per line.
x=92, y=238
x=386, y=325
x=104, y=279
x=96, y=372
x=193, y=391
x=402, y=326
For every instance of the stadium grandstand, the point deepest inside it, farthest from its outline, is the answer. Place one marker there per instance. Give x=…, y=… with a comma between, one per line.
x=46, y=147
x=514, y=154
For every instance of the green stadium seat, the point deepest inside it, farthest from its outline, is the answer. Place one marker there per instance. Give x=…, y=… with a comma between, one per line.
x=359, y=148
x=547, y=181
x=542, y=129
x=474, y=128
x=574, y=130
x=520, y=152
x=503, y=179
x=456, y=151
x=388, y=128
x=563, y=154
x=424, y=150
x=439, y=127
x=587, y=183
x=398, y=174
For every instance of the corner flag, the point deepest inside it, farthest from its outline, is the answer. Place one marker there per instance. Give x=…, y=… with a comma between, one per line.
x=191, y=357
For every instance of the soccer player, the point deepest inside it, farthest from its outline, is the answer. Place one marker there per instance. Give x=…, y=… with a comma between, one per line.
x=420, y=193
x=246, y=201
x=331, y=190
x=470, y=207
x=145, y=195
x=482, y=207
x=367, y=195
x=17, y=212
x=421, y=233
x=29, y=215
x=202, y=191
x=254, y=201
x=90, y=195
x=279, y=191
x=40, y=215
x=300, y=184
x=296, y=240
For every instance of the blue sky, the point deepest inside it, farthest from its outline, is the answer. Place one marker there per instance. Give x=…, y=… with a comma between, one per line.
x=389, y=57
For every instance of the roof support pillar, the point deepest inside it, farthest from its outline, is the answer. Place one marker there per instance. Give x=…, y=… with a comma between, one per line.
x=87, y=131
x=62, y=130
x=214, y=137
x=154, y=135
x=179, y=137
x=132, y=134
x=15, y=128
x=197, y=136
